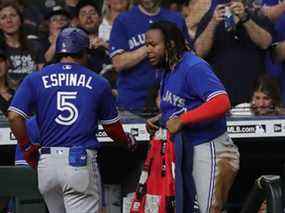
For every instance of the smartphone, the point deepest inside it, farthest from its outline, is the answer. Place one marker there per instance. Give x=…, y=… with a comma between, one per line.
x=229, y=19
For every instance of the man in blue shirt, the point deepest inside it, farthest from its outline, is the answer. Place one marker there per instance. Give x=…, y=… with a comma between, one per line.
x=193, y=103
x=69, y=100
x=127, y=48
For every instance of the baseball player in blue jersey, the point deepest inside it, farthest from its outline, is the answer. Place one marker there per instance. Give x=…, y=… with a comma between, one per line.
x=129, y=56
x=69, y=100
x=193, y=106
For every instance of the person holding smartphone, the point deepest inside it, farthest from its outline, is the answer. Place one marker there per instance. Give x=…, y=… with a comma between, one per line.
x=233, y=39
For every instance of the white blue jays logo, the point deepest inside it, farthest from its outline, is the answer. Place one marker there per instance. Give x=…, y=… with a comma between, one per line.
x=64, y=47
x=173, y=99
x=67, y=67
x=136, y=41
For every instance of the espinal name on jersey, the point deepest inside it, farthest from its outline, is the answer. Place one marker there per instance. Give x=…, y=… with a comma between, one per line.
x=67, y=79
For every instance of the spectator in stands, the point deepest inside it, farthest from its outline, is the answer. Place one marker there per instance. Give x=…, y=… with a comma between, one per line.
x=47, y=5
x=6, y=92
x=265, y=99
x=263, y=207
x=57, y=19
x=112, y=9
x=174, y=6
x=127, y=49
x=235, y=46
x=68, y=5
x=89, y=19
x=89, y=16
x=32, y=14
x=24, y=51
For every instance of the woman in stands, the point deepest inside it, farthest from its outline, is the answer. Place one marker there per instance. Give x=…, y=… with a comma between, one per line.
x=57, y=19
x=23, y=51
x=111, y=9
x=266, y=99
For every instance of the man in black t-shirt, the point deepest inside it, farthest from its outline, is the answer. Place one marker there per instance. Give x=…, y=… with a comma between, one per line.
x=233, y=39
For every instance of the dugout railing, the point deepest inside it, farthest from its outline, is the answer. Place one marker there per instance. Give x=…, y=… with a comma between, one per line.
x=21, y=183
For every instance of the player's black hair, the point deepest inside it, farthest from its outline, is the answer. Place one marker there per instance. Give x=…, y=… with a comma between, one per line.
x=174, y=41
x=83, y=3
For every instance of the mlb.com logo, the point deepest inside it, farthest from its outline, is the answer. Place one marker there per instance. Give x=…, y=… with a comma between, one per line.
x=101, y=133
x=134, y=131
x=277, y=127
x=12, y=136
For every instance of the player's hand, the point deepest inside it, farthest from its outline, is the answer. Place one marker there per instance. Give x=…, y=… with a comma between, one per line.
x=132, y=143
x=151, y=124
x=174, y=125
x=31, y=155
x=96, y=42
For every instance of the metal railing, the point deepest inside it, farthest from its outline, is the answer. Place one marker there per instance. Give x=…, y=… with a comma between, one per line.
x=266, y=187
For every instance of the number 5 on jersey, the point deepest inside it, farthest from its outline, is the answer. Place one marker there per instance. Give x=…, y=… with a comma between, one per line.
x=64, y=104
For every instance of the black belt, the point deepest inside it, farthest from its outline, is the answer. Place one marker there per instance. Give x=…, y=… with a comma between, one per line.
x=45, y=150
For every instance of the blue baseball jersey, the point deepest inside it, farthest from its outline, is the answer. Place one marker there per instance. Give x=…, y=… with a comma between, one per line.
x=269, y=2
x=128, y=34
x=190, y=84
x=69, y=100
x=34, y=137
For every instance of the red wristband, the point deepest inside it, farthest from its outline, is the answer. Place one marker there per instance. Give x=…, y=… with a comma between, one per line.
x=116, y=132
x=24, y=143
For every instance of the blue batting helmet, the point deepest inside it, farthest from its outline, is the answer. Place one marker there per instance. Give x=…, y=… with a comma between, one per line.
x=71, y=40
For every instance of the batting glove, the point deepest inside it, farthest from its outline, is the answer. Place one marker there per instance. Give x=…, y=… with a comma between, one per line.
x=31, y=154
